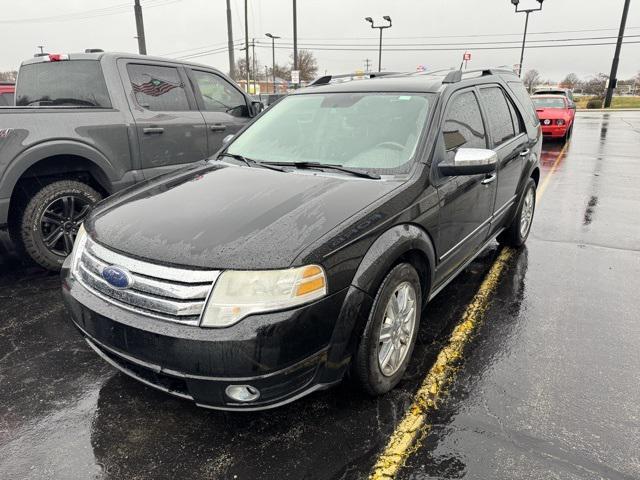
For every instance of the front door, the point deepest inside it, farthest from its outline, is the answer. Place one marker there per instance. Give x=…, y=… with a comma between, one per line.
x=223, y=106
x=170, y=129
x=466, y=201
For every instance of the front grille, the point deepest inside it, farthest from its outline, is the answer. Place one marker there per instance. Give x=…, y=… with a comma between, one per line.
x=166, y=293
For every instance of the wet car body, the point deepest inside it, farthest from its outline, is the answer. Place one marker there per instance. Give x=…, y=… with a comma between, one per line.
x=556, y=115
x=195, y=224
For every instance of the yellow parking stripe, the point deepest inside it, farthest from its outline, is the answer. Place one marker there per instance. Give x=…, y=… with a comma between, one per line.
x=414, y=427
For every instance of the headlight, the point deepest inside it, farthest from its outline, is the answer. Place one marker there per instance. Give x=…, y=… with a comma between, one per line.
x=560, y=121
x=237, y=294
x=78, y=247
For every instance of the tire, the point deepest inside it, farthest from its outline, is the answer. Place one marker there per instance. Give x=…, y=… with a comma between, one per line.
x=372, y=374
x=516, y=234
x=56, y=200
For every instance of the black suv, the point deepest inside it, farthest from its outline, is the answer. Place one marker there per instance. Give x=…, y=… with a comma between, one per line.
x=307, y=247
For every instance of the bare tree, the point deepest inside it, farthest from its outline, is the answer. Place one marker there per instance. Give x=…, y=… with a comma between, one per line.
x=307, y=64
x=571, y=81
x=531, y=79
x=8, y=76
x=241, y=69
x=596, y=85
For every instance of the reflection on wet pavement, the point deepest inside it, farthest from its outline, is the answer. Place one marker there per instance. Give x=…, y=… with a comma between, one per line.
x=548, y=388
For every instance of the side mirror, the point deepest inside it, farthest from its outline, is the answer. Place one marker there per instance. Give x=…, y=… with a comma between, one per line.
x=227, y=139
x=257, y=106
x=470, y=161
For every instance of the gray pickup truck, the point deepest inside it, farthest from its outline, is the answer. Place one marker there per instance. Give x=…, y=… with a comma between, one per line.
x=89, y=124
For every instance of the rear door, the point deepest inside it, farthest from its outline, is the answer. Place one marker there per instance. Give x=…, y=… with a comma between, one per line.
x=508, y=139
x=171, y=130
x=222, y=104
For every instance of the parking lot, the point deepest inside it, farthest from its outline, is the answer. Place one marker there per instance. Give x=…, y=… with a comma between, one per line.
x=547, y=387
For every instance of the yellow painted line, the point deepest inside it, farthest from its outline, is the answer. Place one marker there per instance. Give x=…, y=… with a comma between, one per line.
x=414, y=427
x=554, y=167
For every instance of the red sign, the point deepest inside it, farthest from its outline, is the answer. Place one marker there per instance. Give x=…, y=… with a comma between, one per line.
x=467, y=56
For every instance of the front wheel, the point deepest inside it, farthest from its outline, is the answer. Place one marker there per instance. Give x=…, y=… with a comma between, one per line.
x=390, y=334
x=516, y=234
x=51, y=219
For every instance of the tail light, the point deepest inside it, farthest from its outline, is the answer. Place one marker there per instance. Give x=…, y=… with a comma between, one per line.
x=57, y=57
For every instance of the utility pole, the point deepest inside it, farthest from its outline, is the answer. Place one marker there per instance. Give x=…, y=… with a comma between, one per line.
x=232, y=60
x=142, y=44
x=295, y=36
x=246, y=40
x=255, y=71
x=367, y=64
x=616, y=57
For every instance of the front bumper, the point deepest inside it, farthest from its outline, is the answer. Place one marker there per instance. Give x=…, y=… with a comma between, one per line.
x=554, y=131
x=285, y=355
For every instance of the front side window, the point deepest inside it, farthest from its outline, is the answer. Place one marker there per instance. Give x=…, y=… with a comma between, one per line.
x=78, y=83
x=498, y=114
x=158, y=88
x=372, y=131
x=463, y=126
x=218, y=95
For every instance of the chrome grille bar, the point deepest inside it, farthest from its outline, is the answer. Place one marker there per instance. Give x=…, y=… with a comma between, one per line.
x=158, y=291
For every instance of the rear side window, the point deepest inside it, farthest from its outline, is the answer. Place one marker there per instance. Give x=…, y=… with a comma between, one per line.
x=498, y=114
x=525, y=100
x=69, y=83
x=158, y=88
x=463, y=125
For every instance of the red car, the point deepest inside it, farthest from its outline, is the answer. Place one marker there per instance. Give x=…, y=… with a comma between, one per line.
x=7, y=90
x=556, y=115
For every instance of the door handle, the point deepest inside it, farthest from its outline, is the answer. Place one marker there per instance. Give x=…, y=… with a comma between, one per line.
x=218, y=127
x=489, y=179
x=525, y=152
x=153, y=130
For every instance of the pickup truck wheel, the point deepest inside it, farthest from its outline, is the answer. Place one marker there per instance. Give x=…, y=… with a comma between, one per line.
x=516, y=234
x=51, y=220
x=390, y=334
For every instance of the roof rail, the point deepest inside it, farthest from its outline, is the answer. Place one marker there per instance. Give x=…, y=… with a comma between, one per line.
x=326, y=79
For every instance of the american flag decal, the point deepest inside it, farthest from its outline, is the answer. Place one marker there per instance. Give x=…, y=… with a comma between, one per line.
x=154, y=87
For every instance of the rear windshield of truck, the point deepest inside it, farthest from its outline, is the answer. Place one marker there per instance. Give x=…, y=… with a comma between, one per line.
x=77, y=83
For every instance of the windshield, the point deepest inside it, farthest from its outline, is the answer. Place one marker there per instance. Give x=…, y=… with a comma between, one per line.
x=69, y=83
x=370, y=131
x=548, y=102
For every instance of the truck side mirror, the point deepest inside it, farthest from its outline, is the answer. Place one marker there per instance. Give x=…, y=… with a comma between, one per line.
x=470, y=161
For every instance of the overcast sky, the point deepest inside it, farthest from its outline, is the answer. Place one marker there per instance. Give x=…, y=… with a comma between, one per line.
x=183, y=27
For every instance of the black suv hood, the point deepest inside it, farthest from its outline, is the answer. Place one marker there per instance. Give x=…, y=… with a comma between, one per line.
x=223, y=216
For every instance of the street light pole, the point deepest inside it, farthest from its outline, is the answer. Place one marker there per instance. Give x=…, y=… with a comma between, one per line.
x=526, y=26
x=380, y=27
x=273, y=58
x=142, y=44
x=246, y=40
x=232, y=60
x=616, y=57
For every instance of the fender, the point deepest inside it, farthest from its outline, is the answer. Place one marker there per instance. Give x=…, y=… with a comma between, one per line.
x=384, y=252
x=34, y=154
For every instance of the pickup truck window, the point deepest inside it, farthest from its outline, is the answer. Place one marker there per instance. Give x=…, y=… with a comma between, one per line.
x=499, y=116
x=158, y=88
x=463, y=125
x=219, y=95
x=6, y=99
x=66, y=83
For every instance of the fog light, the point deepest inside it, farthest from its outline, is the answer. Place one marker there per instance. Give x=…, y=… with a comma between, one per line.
x=242, y=393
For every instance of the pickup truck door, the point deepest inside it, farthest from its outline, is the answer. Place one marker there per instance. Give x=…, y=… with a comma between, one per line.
x=171, y=130
x=466, y=201
x=224, y=107
x=509, y=140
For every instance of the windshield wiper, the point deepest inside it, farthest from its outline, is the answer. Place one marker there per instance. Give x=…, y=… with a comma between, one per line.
x=329, y=166
x=250, y=162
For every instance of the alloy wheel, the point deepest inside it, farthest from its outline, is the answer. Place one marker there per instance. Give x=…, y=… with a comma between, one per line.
x=527, y=212
x=60, y=221
x=397, y=328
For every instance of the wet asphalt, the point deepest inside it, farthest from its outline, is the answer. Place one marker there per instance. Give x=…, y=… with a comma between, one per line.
x=549, y=387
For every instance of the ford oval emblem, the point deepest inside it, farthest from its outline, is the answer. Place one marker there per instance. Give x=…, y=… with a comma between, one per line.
x=117, y=277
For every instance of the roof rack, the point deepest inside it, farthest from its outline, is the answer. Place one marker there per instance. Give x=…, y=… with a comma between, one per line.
x=326, y=79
